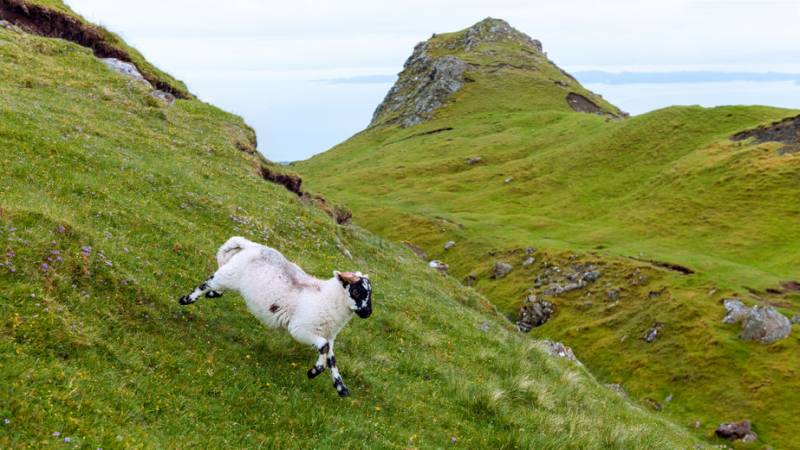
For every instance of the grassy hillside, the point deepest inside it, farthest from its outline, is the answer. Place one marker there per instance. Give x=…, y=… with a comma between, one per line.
x=667, y=186
x=112, y=206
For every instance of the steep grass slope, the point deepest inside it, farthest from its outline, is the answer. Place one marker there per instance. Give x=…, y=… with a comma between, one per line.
x=668, y=186
x=112, y=205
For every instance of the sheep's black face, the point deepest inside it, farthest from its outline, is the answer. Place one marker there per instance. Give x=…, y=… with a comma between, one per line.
x=361, y=294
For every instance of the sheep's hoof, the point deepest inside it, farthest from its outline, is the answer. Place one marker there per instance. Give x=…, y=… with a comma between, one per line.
x=344, y=392
x=314, y=371
x=185, y=300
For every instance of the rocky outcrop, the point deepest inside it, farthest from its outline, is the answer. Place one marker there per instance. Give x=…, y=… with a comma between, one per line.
x=535, y=312
x=423, y=86
x=559, y=350
x=786, y=131
x=760, y=323
x=736, y=431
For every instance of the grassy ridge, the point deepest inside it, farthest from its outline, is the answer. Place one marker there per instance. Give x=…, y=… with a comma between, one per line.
x=666, y=186
x=112, y=205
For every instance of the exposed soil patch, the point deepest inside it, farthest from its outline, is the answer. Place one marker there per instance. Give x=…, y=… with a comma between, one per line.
x=671, y=266
x=425, y=133
x=580, y=103
x=291, y=182
x=48, y=22
x=791, y=286
x=786, y=131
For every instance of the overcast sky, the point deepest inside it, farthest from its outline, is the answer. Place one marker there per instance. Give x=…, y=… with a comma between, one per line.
x=272, y=61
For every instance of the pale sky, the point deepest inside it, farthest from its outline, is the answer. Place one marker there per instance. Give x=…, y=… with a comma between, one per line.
x=272, y=61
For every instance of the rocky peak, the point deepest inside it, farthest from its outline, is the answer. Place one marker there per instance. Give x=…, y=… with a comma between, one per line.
x=441, y=66
x=496, y=30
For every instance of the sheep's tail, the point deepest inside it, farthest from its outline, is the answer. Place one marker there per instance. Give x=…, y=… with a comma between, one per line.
x=231, y=248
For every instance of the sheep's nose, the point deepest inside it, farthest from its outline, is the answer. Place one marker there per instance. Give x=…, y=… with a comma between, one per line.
x=364, y=312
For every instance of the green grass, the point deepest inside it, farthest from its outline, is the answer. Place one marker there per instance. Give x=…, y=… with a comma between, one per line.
x=126, y=201
x=666, y=186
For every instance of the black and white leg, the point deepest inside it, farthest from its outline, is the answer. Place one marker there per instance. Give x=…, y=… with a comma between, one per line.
x=205, y=287
x=338, y=383
x=322, y=347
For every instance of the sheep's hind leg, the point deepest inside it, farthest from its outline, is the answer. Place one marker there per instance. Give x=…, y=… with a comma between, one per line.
x=322, y=347
x=338, y=383
x=206, y=287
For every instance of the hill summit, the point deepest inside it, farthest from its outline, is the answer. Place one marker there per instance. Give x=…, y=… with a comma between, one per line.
x=441, y=66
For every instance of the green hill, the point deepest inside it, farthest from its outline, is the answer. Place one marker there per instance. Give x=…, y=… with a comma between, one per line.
x=673, y=214
x=112, y=205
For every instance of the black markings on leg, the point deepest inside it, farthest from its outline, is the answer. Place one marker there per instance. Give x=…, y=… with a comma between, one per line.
x=324, y=349
x=213, y=294
x=185, y=300
x=331, y=361
x=340, y=387
x=316, y=370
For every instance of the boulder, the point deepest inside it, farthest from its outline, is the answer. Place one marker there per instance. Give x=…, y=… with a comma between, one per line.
x=501, y=269
x=535, y=312
x=559, y=350
x=449, y=244
x=125, y=68
x=613, y=294
x=530, y=251
x=735, y=431
x=473, y=160
x=439, y=266
x=760, y=323
x=652, y=334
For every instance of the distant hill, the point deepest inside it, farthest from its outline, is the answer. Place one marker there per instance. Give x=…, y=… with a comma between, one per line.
x=113, y=200
x=489, y=158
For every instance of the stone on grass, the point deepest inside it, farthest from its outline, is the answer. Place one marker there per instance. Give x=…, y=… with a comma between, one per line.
x=501, y=269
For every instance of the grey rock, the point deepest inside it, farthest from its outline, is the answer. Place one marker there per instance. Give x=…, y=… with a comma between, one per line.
x=796, y=318
x=613, y=294
x=473, y=160
x=737, y=312
x=760, y=323
x=559, y=350
x=439, y=266
x=126, y=69
x=508, y=180
x=591, y=276
x=530, y=251
x=165, y=97
x=449, y=244
x=535, y=312
x=6, y=24
x=501, y=269
x=652, y=334
x=529, y=261
x=736, y=431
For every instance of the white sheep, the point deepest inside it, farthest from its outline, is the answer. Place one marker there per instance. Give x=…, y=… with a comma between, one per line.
x=281, y=294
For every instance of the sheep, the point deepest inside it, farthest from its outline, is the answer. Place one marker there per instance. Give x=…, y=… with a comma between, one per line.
x=281, y=295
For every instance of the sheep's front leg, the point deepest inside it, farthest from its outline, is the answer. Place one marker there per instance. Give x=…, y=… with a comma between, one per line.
x=322, y=347
x=209, y=287
x=338, y=383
